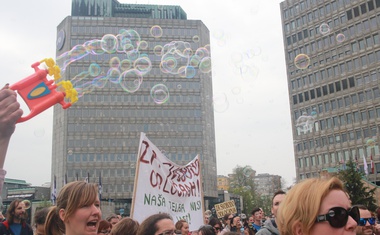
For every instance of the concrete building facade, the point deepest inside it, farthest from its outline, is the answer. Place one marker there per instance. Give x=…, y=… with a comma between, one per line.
x=267, y=184
x=332, y=51
x=97, y=138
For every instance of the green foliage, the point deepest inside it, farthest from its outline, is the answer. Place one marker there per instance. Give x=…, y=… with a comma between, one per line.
x=44, y=204
x=242, y=183
x=359, y=193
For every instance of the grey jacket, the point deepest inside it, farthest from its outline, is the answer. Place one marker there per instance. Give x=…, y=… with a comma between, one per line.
x=269, y=228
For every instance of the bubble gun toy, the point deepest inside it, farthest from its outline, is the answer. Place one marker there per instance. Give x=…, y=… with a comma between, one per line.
x=39, y=93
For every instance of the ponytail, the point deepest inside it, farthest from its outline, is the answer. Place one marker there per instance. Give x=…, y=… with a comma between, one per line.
x=53, y=224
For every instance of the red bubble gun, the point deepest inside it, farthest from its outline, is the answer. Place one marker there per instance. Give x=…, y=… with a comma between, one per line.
x=39, y=93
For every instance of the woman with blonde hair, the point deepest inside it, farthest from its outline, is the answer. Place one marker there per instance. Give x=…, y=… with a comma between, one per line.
x=317, y=206
x=77, y=210
x=182, y=227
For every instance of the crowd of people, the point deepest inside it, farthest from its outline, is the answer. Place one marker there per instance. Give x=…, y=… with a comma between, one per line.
x=311, y=207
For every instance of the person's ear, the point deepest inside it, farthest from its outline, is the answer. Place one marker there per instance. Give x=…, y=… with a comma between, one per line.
x=297, y=228
x=62, y=213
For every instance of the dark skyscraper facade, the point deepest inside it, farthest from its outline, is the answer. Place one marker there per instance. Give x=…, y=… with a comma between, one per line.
x=157, y=48
x=332, y=51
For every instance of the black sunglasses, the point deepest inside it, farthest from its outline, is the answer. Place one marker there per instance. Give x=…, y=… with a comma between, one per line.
x=338, y=216
x=363, y=221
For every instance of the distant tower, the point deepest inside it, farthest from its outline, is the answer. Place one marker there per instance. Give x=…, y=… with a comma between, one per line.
x=99, y=135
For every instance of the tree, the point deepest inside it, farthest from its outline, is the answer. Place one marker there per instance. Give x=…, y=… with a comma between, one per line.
x=358, y=192
x=242, y=183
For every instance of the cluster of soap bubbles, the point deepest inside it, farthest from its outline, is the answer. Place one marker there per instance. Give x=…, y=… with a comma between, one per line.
x=324, y=29
x=243, y=63
x=302, y=61
x=131, y=62
x=126, y=68
x=305, y=122
x=177, y=58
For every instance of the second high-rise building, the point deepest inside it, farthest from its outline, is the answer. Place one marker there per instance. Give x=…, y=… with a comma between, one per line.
x=332, y=51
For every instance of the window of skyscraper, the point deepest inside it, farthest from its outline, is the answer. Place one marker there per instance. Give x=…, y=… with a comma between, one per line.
x=340, y=102
x=356, y=11
x=371, y=5
x=324, y=90
x=366, y=132
x=356, y=116
x=326, y=158
x=368, y=94
x=349, y=14
x=376, y=39
x=320, y=108
x=364, y=60
x=376, y=93
x=361, y=96
x=306, y=95
x=364, y=115
x=322, y=124
x=337, y=86
x=327, y=106
x=373, y=131
x=349, y=118
x=307, y=162
x=371, y=114
x=351, y=135
x=356, y=63
x=358, y=134
x=347, y=101
x=343, y=19
x=359, y=27
x=331, y=88
x=318, y=90
x=344, y=137
x=312, y=94
x=335, y=121
x=300, y=97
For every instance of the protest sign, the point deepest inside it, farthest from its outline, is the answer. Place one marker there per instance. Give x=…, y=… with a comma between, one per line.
x=224, y=208
x=161, y=186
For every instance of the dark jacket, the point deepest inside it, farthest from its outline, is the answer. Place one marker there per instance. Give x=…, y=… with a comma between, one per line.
x=26, y=229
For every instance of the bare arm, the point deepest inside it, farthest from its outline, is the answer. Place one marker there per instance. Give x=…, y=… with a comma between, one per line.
x=10, y=112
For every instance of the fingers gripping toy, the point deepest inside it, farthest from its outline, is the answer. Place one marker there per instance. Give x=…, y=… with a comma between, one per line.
x=39, y=93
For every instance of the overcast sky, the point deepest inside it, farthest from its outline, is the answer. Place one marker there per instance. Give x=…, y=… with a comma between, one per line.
x=253, y=129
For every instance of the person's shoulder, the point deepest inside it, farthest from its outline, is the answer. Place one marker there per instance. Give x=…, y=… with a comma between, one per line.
x=4, y=227
x=264, y=231
x=4, y=224
x=29, y=226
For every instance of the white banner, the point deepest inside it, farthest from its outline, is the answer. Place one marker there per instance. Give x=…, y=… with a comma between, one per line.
x=161, y=186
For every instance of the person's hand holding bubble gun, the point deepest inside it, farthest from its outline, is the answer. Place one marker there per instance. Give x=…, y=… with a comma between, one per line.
x=10, y=112
x=39, y=92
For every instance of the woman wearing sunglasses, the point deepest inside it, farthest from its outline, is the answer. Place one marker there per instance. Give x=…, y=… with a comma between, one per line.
x=317, y=206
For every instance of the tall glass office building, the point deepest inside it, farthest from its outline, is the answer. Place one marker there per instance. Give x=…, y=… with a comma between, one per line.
x=98, y=136
x=332, y=51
